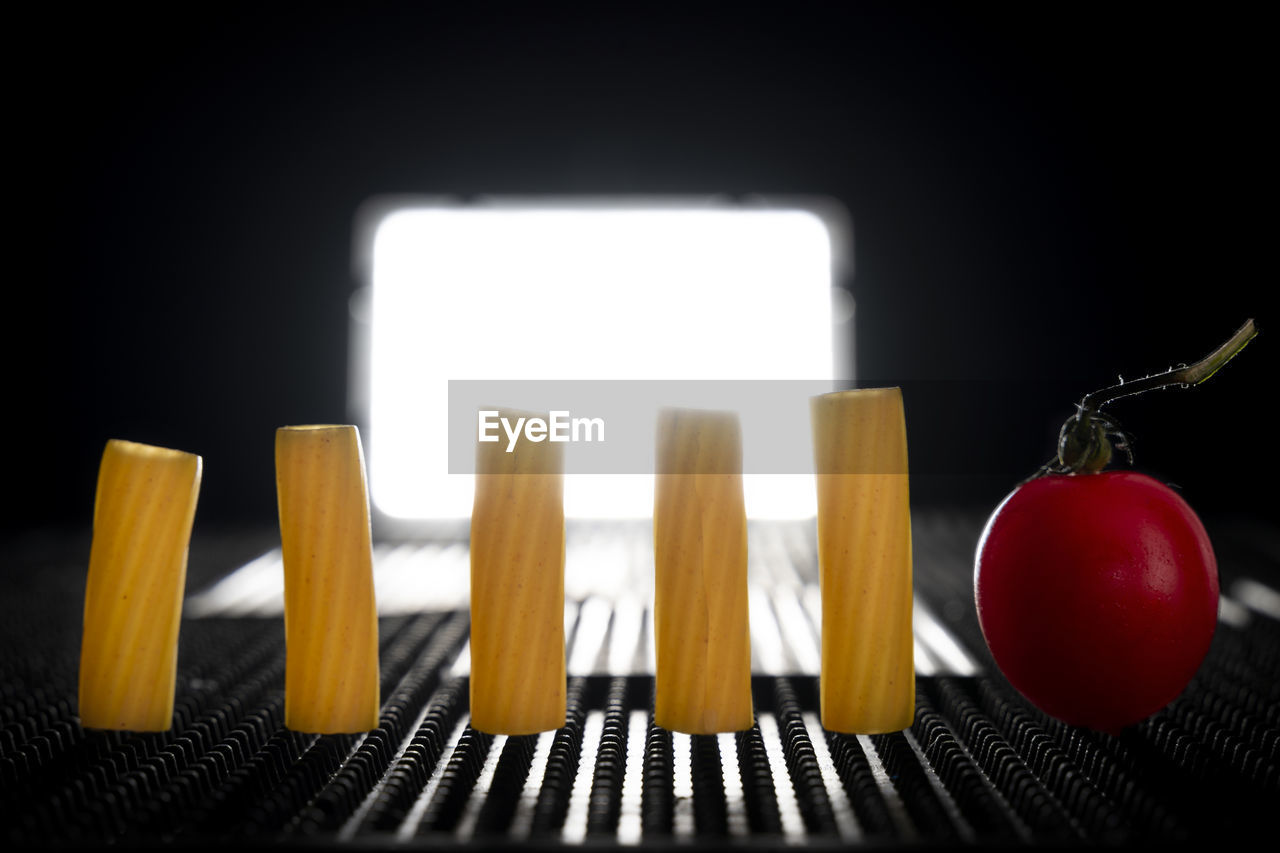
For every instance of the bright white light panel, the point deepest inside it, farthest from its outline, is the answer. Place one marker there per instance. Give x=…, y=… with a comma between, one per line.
x=584, y=293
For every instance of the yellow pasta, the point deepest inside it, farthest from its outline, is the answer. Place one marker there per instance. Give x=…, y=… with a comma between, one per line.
x=517, y=587
x=330, y=616
x=701, y=628
x=142, y=517
x=864, y=555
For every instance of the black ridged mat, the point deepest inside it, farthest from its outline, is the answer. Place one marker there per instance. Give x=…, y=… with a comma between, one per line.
x=978, y=765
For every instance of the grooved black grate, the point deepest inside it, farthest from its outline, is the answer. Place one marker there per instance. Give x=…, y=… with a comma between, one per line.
x=979, y=765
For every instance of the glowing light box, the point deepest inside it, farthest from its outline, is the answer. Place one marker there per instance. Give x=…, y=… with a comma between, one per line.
x=601, y=290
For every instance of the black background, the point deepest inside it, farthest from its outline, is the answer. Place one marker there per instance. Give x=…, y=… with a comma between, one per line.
x=1042, y=196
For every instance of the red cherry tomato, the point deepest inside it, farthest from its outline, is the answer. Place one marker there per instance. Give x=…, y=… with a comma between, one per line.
x=1097, y=595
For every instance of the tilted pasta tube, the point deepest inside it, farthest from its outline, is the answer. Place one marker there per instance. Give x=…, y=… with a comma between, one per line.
x=142, y=518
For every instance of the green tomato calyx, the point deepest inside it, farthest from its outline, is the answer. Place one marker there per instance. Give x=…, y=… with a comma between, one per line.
x=1084, y=443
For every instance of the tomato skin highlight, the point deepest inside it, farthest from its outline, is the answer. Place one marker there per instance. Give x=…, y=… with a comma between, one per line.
x=1097, y=595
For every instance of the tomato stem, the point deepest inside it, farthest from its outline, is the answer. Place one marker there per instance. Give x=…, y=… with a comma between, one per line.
x=1183, y=376
x=1084, y=444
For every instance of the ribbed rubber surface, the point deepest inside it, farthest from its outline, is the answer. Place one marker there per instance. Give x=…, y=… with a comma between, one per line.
x=978, y=764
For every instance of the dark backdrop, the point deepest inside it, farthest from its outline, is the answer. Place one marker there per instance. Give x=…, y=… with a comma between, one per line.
x=1043, y=195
